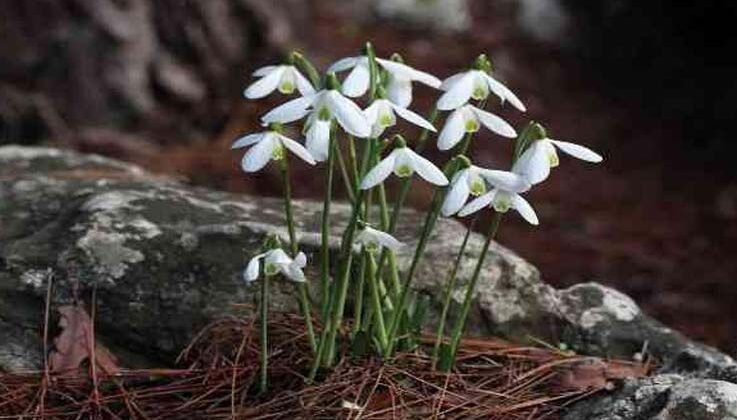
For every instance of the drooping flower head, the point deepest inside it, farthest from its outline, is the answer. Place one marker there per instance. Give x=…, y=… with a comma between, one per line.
x=322, y=108
x=541, y=155
x=400, y=75
x=403, y=161
x=381, y=114
x=504, y=196
x=468, y=119
x=269, y=145
x=286, y=78
x=471, y=180
x=277, y=261
x=476, y=83
x=373, y=239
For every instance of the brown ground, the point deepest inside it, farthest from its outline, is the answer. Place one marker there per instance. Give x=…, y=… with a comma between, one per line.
x=651, y=221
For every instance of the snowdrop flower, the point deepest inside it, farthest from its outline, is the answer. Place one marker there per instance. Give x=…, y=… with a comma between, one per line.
x=401, y=76
x=536, y=161
x=284, y=77
x=268, y=145
x=475, y=83
x=322, y=107
x=381, y=115
x=373, y=239
x=468, y=119
x=472, y=181
x=277, y=261
x=403, y=161
x=504, y=196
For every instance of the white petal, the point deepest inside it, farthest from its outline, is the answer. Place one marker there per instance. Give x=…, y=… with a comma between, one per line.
x=477, y=204
x=458, y=94
x=259, y=155
x=253, y=268
x=399, y=91
x=357, y=82
x=303, y=85
x=295, y=273
x=458, y=194
x=450, y=81
x=371, y=113
x=247, y=140
x=380, y=172
x=343, y=64
x=318, y=140
x=348, y=114
x=524, y=209
x=494, y=123
x=533, y=164
x=290, y=111
x=578, y=151
x=387, y=240
x=277, y=256
x=452, y=131
x=413, y=118
x=410, y=73
x=263, y=71
x=300, y=260
x=426, y=169
x=504, y=93
x=265, y=85
x=297, y=149
x=507, y=181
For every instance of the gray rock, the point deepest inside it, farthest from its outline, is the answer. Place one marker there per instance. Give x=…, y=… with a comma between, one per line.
x=662, y=397
x=166, y=258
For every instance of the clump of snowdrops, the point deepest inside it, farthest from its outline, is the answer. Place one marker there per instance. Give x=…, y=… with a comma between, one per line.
x=386, y=317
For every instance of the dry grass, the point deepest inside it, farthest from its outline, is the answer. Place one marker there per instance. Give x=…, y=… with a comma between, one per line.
x=493, y=379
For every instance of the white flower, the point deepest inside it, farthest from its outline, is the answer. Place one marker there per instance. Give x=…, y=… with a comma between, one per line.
x=277, y=261
x=502, y=197
x=268, y=145
x=473, y=180
x=401, y=76
x=285, y=78
x=380, y=115
x=541, y=155
x=474, y=84
x=374, y=239
x=403, y=161
x=322, y=107
x=468, y=119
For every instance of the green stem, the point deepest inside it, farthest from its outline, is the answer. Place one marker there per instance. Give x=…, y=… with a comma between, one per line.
x=461, y=323
x=353, y=161
x=349, y=185
x=304, y=298
x=307, y=67
x=325, y=228
x=448, y=292
x=358, y=305
x=376, y=302
x=263, y=377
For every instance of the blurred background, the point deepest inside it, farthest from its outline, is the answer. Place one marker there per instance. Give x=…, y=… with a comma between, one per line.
x=650, y=85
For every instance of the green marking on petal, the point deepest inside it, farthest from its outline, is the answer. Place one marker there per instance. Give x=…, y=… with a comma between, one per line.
x=472, y=126
x=478, y=187
x=480, y=92
x=385, y=120
x=270, y=269
x=403, y=171
x=286, y=87
x=324, y=114
x=502, y=202
x=278, y=152
x=553, y=159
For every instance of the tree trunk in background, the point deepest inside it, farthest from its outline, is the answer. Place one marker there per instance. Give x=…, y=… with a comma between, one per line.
x=140, y=66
